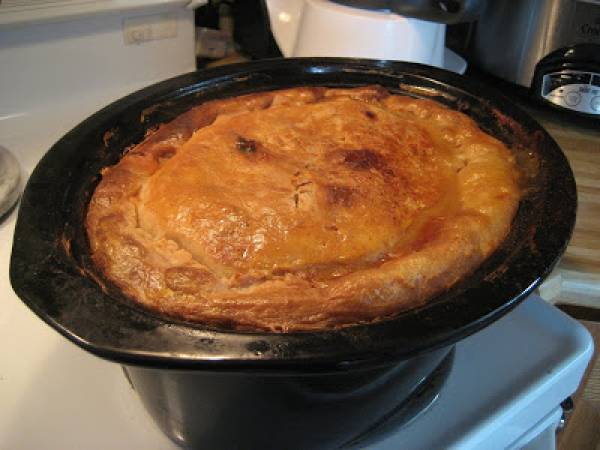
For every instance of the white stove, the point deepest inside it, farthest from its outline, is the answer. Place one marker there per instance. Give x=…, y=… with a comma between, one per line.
x=507, y=382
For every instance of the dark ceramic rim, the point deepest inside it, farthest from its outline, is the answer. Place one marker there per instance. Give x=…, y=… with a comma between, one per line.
x=49, y=263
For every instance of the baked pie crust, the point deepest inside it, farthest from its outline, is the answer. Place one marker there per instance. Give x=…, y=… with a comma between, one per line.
x=302, y=209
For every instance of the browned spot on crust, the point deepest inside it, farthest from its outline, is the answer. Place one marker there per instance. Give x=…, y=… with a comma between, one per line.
x=164, y=153
x=339, y=195
x=365, y=159
x=186, y=279
x=319, y=92
x=374, y=92
x=381, y=92
x=245, y=145
x=253, y=150
x=427, y=234
x=371, y=115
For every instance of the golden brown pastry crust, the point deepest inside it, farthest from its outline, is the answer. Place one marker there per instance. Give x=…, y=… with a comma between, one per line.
x=302, y=209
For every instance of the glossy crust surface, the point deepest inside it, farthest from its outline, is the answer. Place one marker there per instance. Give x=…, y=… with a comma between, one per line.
x=302, y=209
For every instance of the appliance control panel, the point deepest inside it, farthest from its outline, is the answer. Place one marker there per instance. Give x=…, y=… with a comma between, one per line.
x=573, y=89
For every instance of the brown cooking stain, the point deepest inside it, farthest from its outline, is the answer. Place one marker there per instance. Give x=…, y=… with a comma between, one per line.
x=339, y=195
x=366, y=159
x=371, y=115
x=245, y=145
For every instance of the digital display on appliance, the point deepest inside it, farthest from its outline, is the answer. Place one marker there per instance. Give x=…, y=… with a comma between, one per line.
x=560, y=79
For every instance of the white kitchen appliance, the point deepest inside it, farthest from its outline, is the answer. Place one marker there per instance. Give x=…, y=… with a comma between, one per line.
x=507, y=381
x=550, y=47
x=61, y=60
x=328, y=28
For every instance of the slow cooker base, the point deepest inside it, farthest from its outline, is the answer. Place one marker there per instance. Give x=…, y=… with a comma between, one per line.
x=203, y=409
x=418, y=403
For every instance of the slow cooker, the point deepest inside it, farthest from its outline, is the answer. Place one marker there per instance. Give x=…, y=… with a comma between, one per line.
x=216, y=388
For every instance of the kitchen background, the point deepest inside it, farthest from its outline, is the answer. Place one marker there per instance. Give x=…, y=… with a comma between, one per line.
x=561, y=92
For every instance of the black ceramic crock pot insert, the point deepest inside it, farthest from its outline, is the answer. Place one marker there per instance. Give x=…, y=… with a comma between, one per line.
x=52, y=273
